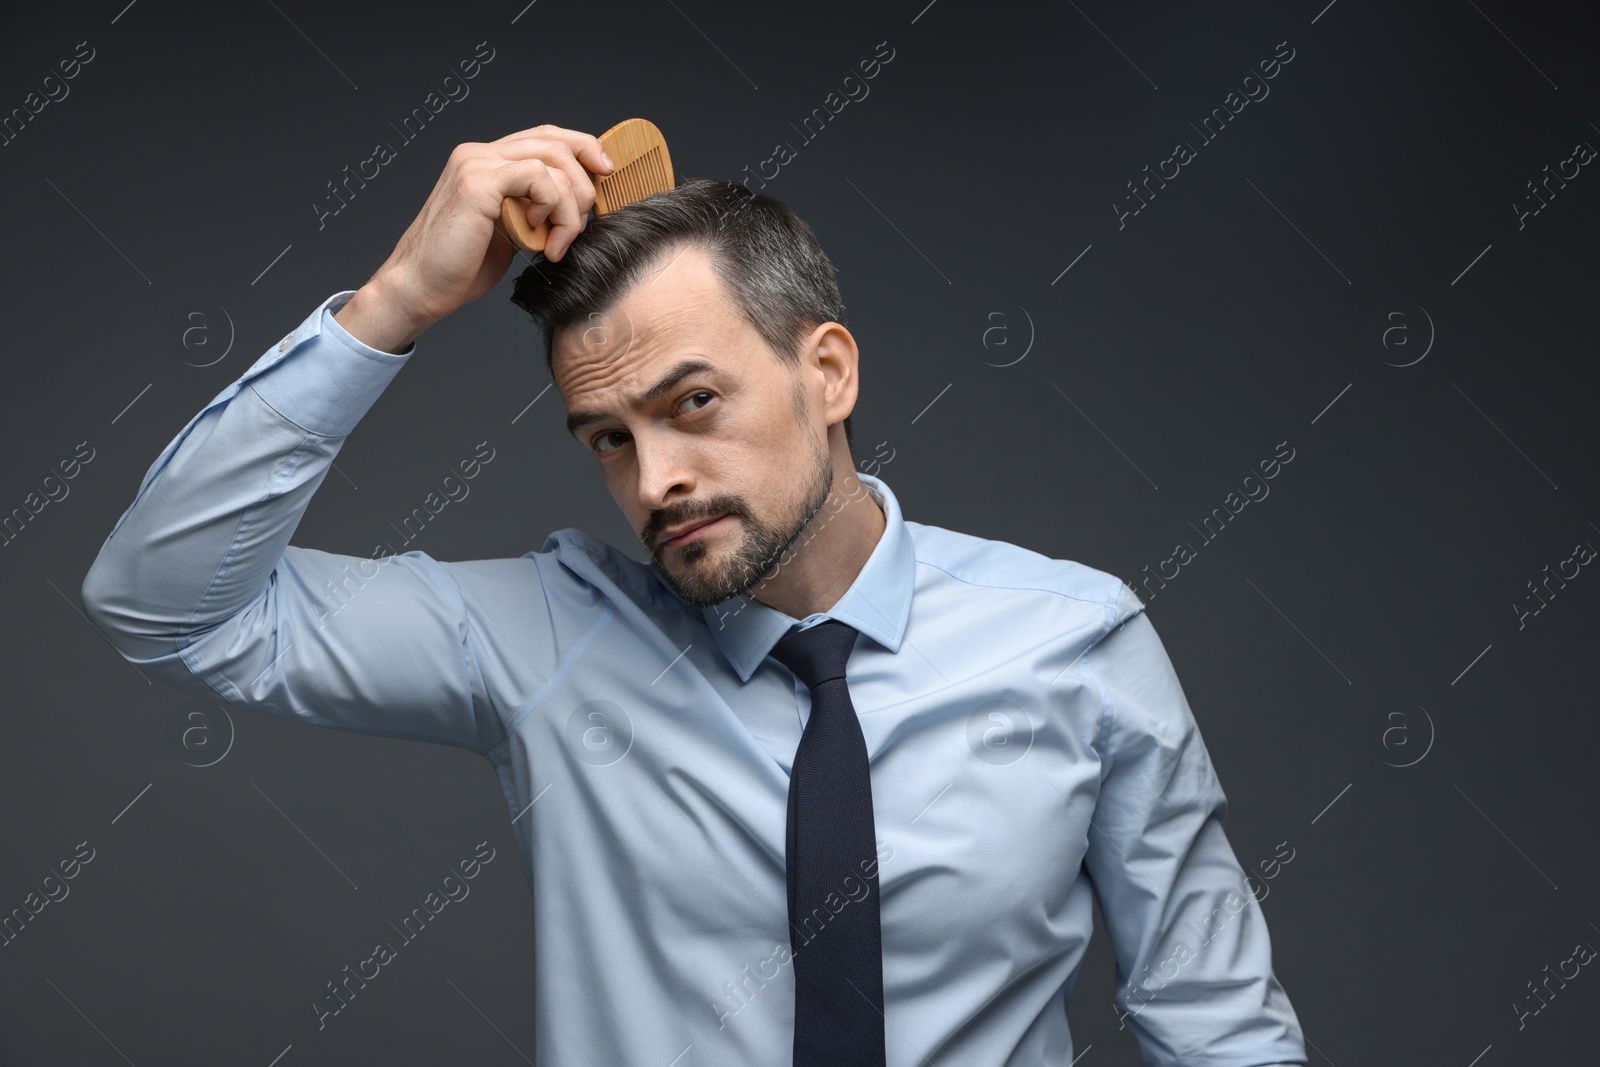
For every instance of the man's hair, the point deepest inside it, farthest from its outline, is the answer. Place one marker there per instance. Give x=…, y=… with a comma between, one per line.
x=767, y=258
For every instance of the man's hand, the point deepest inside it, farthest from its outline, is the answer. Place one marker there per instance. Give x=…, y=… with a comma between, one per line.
x=454, y=251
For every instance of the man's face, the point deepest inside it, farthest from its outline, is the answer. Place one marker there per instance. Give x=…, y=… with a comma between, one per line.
x=695, y=423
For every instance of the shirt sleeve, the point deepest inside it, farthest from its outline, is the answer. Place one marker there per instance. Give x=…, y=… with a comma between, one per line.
x=1194, y=961
x=199, y=588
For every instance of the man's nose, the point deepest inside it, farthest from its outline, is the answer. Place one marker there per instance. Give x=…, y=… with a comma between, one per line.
x=665, y=474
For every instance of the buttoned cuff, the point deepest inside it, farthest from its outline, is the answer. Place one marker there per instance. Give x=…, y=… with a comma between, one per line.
x=322, y=378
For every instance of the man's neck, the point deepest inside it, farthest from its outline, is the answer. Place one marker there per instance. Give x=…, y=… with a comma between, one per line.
x=830, y=553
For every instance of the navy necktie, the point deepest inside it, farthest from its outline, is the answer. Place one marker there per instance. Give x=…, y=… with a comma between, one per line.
x=832, y=854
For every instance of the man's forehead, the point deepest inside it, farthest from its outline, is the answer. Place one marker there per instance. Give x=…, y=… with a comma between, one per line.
x=643, y=331
x=683, y=320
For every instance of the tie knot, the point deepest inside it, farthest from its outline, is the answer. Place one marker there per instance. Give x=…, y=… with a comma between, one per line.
x=818, y=653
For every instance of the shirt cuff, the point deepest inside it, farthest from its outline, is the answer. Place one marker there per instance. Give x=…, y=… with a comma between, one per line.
x=322, y=378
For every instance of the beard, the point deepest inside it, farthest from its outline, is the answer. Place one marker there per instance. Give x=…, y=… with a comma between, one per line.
x=702, y=578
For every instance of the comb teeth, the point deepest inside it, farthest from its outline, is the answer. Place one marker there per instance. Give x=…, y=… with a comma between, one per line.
x=635, y=181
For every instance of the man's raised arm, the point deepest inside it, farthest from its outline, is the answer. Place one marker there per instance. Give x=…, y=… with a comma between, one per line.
x=197, y=583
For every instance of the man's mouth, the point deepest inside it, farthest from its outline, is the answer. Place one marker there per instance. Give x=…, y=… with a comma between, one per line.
x=682, y=535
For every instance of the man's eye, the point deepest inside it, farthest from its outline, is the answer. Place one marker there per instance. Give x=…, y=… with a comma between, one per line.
x=603, y=442
x=697, y=393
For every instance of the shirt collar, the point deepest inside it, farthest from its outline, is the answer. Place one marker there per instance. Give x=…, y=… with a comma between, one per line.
x=877, y=604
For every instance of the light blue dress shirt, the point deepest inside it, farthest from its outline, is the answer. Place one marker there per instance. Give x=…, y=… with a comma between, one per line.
x=1030, y=746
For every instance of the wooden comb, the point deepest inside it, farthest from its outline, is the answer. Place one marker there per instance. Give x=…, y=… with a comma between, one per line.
x=643, y=167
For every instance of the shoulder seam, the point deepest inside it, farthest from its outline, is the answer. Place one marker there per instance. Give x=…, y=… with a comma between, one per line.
x=1105, y=603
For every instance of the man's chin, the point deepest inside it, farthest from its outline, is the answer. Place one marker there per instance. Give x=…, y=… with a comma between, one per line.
x=689, y=579
x=702, y=597
x=704, y=593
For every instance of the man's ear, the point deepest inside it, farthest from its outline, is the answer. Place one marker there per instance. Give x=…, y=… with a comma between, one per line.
x=837, y=358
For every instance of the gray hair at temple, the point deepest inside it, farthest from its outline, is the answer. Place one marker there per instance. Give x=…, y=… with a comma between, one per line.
x=766, y=256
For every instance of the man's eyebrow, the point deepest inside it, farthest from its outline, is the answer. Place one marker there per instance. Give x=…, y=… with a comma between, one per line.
x=577, y=420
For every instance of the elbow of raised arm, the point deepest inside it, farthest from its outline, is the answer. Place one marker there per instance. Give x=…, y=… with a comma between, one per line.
x=117, y=601
x=104, y=599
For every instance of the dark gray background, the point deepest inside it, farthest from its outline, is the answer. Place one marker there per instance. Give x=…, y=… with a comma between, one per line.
x=1360, y=617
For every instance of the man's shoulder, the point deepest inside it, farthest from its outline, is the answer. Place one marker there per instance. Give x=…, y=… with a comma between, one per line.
x=575, y=556
x=571, y=566
x=1001, y=565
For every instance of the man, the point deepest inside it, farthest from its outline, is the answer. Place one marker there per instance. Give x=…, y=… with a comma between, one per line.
x=999, y=737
